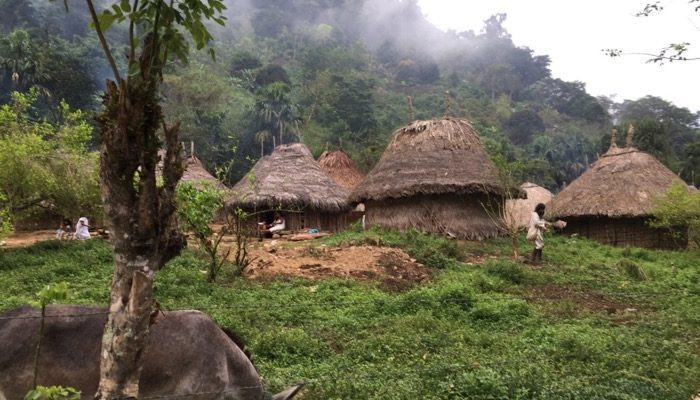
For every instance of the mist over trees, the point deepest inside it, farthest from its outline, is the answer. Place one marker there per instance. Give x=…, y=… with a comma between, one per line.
x=335, y=73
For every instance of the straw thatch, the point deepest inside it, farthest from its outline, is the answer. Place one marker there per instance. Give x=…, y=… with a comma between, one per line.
x=440, y=156
x=197, y=175
x=289, y=178
x=622, y=183
x=518, y=211
x=612, y=200
x=339, y=166
x=434, y=176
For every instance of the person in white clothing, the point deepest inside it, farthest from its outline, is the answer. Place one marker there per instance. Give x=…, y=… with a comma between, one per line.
x=536, y=232
x=278, y=224
x=82, y=231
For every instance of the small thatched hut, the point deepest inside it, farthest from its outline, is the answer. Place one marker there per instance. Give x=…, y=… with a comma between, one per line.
x=291, y=182
x=197, y=175
x=610, y=202
x=518, y=211
x=339, y=166
x=434, y=176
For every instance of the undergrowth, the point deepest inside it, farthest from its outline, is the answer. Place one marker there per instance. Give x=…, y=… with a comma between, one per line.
x=594, y=322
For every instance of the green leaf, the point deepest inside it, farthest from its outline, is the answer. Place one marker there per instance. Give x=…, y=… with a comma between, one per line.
x=106, y=19
x=125, y=6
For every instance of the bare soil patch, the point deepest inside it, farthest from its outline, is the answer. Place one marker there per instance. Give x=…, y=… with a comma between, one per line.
x=395, y=269
x=23, y=239
x=583, y=301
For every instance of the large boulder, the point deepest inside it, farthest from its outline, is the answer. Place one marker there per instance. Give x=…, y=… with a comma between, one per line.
x=188, y=355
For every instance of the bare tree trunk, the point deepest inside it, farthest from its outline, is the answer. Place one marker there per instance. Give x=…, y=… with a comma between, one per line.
x=141, y=217
x=126, y=334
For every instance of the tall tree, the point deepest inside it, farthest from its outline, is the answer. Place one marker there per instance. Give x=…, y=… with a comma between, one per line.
x=140, y=212
x=277, y=110
x=680, y=123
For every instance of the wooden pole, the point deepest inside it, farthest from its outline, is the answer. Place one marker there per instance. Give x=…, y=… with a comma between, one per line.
x=613, y=139
x=630, y=136
x=448, y=103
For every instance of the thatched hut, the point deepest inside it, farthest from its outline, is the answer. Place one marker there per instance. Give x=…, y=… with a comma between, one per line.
x=518, y=211
x=434, y=176
x=611, y=201
x=197, y=175
x=339, y=166
x=291, y=182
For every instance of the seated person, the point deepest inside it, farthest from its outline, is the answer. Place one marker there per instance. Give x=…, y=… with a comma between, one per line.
x=277, y=225
x=64, y=231
x=81, y=229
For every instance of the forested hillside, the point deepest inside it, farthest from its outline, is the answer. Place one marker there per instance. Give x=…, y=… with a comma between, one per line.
x=335, y=73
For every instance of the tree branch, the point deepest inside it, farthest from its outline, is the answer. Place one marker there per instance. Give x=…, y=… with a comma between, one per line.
x=658, y=57
x=103, y=41
x=132, y=47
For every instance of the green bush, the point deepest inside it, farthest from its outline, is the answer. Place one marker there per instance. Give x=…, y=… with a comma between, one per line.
x=507, y=270
x=632, y=270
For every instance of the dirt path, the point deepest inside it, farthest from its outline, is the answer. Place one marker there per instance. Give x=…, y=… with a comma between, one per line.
x=23, y=239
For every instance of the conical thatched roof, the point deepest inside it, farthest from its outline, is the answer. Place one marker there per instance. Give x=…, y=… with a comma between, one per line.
x=196, y=174
x=622, y=183
x=440, y=156
x=289, y=178
x=520, y=210
x=339, y=166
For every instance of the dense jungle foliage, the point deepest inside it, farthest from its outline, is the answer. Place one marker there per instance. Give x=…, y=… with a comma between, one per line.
x=335, y=73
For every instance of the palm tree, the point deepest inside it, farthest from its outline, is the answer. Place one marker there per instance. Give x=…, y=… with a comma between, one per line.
x=277, y=110
x=261, y=137
x=22, y=60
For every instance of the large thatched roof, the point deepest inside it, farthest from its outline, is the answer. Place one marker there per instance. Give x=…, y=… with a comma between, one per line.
x=440, y=156
x=339, y=166
x=520, y=210
x=622, y=183
x=289, y=178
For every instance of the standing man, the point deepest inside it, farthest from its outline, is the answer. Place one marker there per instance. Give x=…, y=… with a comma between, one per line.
x=536, y=232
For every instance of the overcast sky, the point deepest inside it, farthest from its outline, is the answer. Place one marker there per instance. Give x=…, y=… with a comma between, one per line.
x=573, y=33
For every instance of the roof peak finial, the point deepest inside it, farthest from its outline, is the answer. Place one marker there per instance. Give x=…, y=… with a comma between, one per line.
x=613, y=139
x=448, y=103
x=411, y=115
x=630, y=136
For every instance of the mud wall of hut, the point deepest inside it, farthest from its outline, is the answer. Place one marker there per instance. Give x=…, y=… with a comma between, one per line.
x=622, y=232
x=462, y=216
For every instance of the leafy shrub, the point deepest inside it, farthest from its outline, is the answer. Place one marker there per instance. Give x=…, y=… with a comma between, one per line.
x=632, y=269
x=507, y=270
x=678, y=210
x=53, y=393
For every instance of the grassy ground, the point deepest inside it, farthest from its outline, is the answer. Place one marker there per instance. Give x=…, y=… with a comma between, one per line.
x=593, y=323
